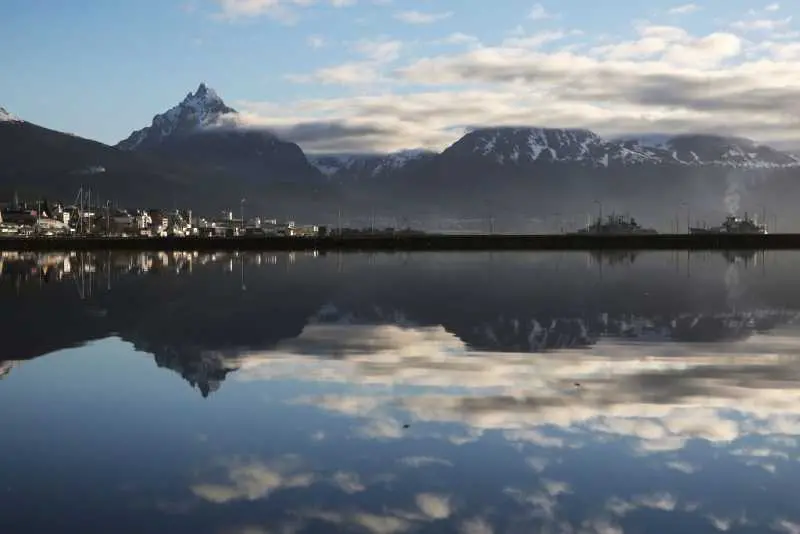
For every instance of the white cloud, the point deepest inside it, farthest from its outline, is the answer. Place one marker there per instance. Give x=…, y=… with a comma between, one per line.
x=666, y=80
x=379, y=50
x=253, y=480
x=538, y=12
x=459, y=38
x=786, y=526
x=689, y=395
x=684, y=9
x=421, y=17
x=476, y=525
x=315, y=41
x=537, y=463
x=423, y=461
x=772, y=7
x=348, y=482
x=374, y=53
x=764, y=25
x=278, y=9
x=535, y=437
x=656, y=501
x=683, y=467
x=434, y=506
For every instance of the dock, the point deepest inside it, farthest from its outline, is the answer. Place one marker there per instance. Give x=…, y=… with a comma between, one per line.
x=422, y=242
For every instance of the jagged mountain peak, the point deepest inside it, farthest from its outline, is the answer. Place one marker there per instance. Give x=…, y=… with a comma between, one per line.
x=5, y=116
x=205, y=98
x=198, y=111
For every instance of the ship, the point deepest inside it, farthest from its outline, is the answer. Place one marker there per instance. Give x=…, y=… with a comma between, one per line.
x=615, y=225
x=733, y=225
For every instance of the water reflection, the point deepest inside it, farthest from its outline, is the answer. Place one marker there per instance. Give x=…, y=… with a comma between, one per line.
x=476, y=393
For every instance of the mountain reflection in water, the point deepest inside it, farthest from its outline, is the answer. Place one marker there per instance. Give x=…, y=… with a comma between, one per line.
x=470, y=393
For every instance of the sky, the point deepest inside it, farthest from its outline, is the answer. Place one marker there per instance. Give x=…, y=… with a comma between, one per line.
x=384, y=75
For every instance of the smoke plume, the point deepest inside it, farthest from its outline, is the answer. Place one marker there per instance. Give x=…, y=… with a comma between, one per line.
x=733, y=193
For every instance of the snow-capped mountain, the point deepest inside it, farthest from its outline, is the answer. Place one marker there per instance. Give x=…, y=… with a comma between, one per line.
x=704, y=149
x=521, y=146
x=205, y=131
x=5, y=116
x=336, y=166
x=199, y=110
x=524, y=146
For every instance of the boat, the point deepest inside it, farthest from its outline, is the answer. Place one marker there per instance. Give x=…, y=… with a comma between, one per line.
x=615, y=225
x=734, y=225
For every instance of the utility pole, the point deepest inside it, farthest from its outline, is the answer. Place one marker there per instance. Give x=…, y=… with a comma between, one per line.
x=241, y=217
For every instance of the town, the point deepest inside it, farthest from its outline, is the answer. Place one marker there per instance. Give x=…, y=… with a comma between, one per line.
x=42, y=219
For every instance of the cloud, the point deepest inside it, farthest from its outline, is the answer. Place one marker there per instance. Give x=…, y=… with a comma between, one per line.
x=786, y=526
x=543, y=501
x=655, y=501
x=375, y=55
x=476, y=525
x=348, y=482
x=424, y=461
x=382, y=51
x=315, y=41
x=429, y=507
x=372, y=523
x=282, y=10
x=656, y=402
x=538, y=12
x=666, y=79
x=684, y=9
x=253, y=480
x=683, y=467
x=434, y=506
x=537, y=463
x=458, y=38
x=535, y=437
x=772, y=7
x=420, y=17
x=764, y=25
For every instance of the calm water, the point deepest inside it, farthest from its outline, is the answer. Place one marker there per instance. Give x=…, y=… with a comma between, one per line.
x=466, y=393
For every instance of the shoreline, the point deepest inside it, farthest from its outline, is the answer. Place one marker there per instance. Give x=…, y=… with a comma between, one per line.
x=432, y=242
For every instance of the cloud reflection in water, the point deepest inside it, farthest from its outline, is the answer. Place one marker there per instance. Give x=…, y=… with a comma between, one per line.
x=657, y=402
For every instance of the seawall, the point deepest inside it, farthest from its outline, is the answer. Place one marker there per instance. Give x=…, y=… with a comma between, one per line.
x=416, y=242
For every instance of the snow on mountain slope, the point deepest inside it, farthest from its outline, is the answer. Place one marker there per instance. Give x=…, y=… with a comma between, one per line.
x=520, y=146
x=366, y=165
x=713, y=150
x=198, y=111
x=5, y=116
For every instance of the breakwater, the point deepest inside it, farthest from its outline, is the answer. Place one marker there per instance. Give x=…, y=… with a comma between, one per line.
x=415, y=242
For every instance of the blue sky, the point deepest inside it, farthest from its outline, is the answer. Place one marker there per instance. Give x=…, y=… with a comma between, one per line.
x=101, y=69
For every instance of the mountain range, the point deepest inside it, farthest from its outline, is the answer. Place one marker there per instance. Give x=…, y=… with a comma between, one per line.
x=200, y=153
